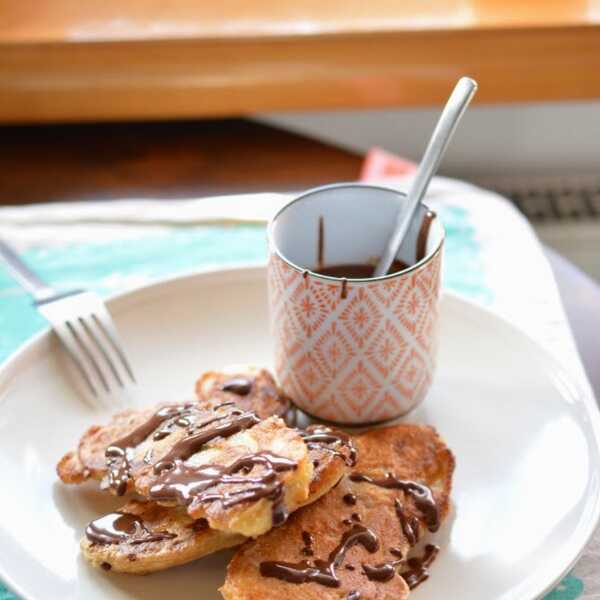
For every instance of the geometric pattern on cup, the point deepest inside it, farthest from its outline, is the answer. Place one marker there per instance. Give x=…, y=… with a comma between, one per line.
x=366, y=358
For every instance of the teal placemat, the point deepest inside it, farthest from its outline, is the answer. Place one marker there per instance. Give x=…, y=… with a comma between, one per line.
x=117, y=265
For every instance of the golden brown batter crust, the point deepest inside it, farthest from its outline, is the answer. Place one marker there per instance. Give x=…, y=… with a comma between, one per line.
x=88, y=460
x=193, y=540
x=410, y=452
x=191, y=543
x=248, y=518
x=265, y=397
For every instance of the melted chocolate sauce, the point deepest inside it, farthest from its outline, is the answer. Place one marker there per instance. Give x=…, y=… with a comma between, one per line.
x=409, y=525
x=365, y=271
x=189, y=445
x=308, y=540
x=323, y=438
x=161, y=434
x=137, y=436
x=118, y=453
x=322, y=571
x=199, y=525
x=344, y=293
x=238, y=385
x=421, y=495
x=119, y=468
x=123, y=527
x=185, y=422
x=418, y=568
x=321, y=243
x=223, y=404
x=186, y=484
x=382, y=572
x=357, y=271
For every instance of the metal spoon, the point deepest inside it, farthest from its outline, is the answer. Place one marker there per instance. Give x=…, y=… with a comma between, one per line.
x=453, y=111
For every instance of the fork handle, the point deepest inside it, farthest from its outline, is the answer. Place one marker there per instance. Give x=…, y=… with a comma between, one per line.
x=24, y=275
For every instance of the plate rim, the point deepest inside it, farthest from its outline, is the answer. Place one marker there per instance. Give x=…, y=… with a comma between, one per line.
x=41, y=342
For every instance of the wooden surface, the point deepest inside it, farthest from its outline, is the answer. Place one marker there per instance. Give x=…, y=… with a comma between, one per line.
x=68, y=60
x=164, y=160
x=116, y=20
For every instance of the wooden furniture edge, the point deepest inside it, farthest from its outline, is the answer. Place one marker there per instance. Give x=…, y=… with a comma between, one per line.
x=206, y=78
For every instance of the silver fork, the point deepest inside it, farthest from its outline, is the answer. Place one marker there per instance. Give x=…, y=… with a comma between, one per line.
x=83, y=325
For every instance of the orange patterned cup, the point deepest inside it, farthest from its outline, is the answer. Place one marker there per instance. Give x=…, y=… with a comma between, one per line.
x=353, y=351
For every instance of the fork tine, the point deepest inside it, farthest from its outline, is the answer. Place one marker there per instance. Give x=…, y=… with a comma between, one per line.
x=86, y=329
x=101, y=348
x=71, y=348
x=105, y=323
x=89, y=355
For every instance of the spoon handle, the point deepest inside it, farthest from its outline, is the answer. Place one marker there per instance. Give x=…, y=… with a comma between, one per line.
x=451, y=115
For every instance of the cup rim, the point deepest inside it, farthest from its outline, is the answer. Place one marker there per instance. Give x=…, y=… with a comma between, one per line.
x=330, y=186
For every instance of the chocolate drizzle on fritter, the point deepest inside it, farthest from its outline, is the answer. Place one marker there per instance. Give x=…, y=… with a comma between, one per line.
x=349, y=499
x=232, y=423
x=180, y=420
x=118, y=453
x=141, y=433
x=421, y=495
x=119, y=468
x=418, y=567
x=241, y=386
x=226, y=403
x=116, y=528
x=253, y=476
x=199, y=525
x=308, y=540
x=193, y=417
x=354, y=518
x=409, y=524
x=322, y=571
x=382, y=572
x=337, y=442
x=184, y=484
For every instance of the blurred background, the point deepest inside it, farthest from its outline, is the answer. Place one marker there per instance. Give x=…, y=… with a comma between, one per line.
x=129, y=99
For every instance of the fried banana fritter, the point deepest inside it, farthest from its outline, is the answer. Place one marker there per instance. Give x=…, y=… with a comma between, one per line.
x=241, y=484
x=162, y=538
x=194, y=539
x=249, y=388
x=361, y=532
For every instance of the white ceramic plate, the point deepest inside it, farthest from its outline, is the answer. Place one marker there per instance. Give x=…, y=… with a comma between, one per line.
x=526, y=490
